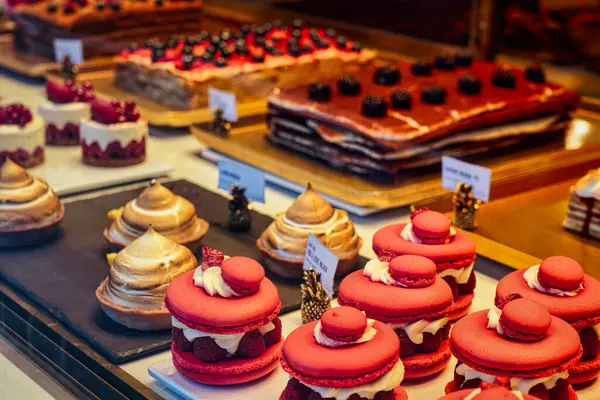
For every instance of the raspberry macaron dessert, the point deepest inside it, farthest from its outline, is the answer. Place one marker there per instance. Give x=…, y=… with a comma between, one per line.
x=488, y=392
x=430, y=235
x=225, y=325
x=344, y=356
x=518, y=345
x=408, y=296
x=560, y=285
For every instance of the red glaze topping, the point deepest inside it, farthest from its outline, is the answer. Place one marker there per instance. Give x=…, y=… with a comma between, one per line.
x=114, y=112
x=15, y=114
x=525, y=320
x=211, y=258
x=345, y=324
x=560, y=272
x=69, y=92
x=242, y=274
x=431, y=227
x=413, y=271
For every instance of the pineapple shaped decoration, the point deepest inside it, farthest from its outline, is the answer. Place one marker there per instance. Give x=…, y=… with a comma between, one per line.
x=314, y=298
x=240, y=218
x=465, y=207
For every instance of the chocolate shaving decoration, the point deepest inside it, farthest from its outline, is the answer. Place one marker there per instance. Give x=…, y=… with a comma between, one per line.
x=507, y=299
x=465, y=207
x=240, y=218
x=314, y=299
x=68, y=69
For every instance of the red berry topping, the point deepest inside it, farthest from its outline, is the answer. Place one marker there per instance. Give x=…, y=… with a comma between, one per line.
x=252, y=345
x=69, y=92
x=114, y=112
x=212, y=257
x=274, y=336
x=206, y=350
x=15, y=114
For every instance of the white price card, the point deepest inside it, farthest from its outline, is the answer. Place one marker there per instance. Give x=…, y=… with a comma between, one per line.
x=454, y=171
x=68, y=47
x=224, y=101
x=235, y=173
x=321, y=259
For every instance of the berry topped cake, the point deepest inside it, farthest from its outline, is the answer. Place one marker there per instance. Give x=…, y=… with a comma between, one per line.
x=115, y=135
x=583, y=214
x=67, y=104
x=21, y=136
x=250, y=60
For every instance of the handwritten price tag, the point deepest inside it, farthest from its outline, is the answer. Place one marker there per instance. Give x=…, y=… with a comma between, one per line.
x=68, y=47
x=224, y=101
x=321, y=259
x=231, y=172
x=454, y=171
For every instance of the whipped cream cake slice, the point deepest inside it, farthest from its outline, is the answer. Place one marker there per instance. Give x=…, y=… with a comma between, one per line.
x=583, y=214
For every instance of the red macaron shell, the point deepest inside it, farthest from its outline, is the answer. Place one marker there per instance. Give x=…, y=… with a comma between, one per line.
x=399, y=394
x=347, y=366
x=560, y=272
x=489, y=394
x=431, y=225
x=581, y=310
x=413, y=271
x=427, y=364
x=487, y=351
x=524, y=319
x=345, y=324
x=584, y=370
x=195, y=308
x=242, y=274
x=459, y=253
x=395, y=303
x=461, y=307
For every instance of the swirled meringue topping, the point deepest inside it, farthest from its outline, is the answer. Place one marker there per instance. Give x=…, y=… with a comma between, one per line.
x=26, y=202
x=310, y=213
x=531, y=278
x=169, y=214
x=589, y=185
x=140, y=273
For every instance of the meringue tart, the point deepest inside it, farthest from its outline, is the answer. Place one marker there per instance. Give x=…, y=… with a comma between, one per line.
x=169, y=214
x=283, y=243
x=133, y=294
x=30, y=212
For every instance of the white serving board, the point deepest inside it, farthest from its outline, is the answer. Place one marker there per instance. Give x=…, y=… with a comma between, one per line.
x=67, y=174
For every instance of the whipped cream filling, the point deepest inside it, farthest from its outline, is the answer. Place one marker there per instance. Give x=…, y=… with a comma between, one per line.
x=494, y=320
x=229, y=342
x=416, y=330
x=409, y=235
x=531, y=277
x=326, y=341
x=212, y=282
x=386, y=382
x=29, y=137
x=379, y=271
x=460, y=275
x=61, y=114
x=523, y=385
x=124, y=133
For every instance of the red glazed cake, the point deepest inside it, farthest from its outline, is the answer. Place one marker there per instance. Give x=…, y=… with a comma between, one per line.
x=488, y=392
x=225, y=325
x=66, y=105
x=343, y=356
x=430, y=235
x=407, y=295
x=518, y=345
x=583, y=214
x=115, y=135
x=560, y=285
x=21, y=136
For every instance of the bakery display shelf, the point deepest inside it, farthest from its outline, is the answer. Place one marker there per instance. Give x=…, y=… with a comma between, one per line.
x=513, y=170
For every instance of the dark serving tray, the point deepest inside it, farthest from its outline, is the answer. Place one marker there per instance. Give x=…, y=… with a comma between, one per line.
x=62, y=276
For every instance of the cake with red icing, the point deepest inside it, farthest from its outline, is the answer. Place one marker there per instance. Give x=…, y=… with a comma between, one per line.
x=115, y=135
x=408, y=296
x=252, y=60
x=343, y=356
x=66, y=105
x=518, y=345
x=583, y=213
x=430, y=235
x=488, y=392
x=225, y=325
x=382, y=121
x=21, y=136
x=560, y=285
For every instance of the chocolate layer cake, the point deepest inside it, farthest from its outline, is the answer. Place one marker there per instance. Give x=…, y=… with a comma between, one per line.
x=251, y=61
x=104, y=26
x=385, y=120
x=583, y=214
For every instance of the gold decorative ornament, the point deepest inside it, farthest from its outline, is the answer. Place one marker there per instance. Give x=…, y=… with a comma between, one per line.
x=314, y=299
x=465, y=207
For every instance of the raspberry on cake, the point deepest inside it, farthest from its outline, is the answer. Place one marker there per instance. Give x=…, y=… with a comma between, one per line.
x=115, y=135
x=66, y=105
x=225, y=325
x=583, y=214
x=343, y=356
x=430, y=235
x=560, y=285
x=21, y=136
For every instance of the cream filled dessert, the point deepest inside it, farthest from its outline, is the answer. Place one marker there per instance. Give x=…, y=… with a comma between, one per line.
x=30, y=212
x=583, y=214
x=169, y=214
x=21, y=136
x=134, y=292
x=115, y=135
x=66, y=105
x=283, y=243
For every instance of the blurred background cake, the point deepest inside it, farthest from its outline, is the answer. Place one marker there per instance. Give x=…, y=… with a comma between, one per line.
x=583, y=214
x=21, y=136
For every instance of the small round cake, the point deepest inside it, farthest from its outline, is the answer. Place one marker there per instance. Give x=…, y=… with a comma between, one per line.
x=518, y=345
x=560, y=285
x=21, y=136
x=66, y=105
x=345, y=355
x=133, y=295
x=407, y=295
x=169, y=214
x=488, y=392
x=283, y=243
x=430, y=235
x=30, y=212
x=115, y=135
x=225, y=325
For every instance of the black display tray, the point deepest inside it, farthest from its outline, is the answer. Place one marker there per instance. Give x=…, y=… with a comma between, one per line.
x=62, y=276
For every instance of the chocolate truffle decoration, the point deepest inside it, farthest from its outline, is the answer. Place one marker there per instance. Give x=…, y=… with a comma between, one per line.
x=319, y=92
x=433, y=94
x=387, y=76
x=374, y=106
x=348, y=86
x=469, y=84
x=401, y=100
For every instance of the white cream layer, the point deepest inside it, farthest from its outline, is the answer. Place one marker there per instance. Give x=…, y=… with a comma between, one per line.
x=61, y=114
x=409, y=235
x=212, y=282
x=415, y=330
x=589, y=185
x=531, y=277
x=28, y=138
x=326, y=341
x=494, y=320
x=386, y=382
x=126, y=132
x=461, y=275
x=379, y=271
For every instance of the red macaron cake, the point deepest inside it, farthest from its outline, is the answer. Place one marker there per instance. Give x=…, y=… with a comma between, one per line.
x=225, y=325
x=518, y=345
x=344, y=356
x=408, y=296
x=560, y=285
x=488, y=391
x=430, y=235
